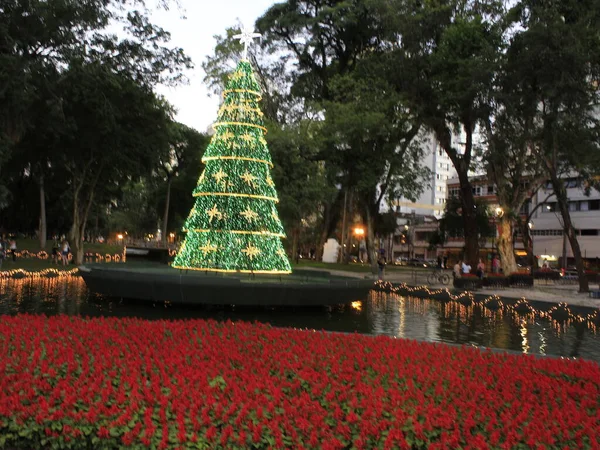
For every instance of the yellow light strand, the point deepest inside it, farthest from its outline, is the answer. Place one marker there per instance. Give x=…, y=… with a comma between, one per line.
x=242, y=124
x=232, y=271
x=261, y=233
x=224, y=194
x=241, y=158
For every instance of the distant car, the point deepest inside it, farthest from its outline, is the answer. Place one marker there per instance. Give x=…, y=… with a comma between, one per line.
x=415, y=262
x=401, y=261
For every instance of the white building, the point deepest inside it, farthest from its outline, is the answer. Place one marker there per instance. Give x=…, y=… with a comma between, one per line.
x=547, y=230
x=433, y=198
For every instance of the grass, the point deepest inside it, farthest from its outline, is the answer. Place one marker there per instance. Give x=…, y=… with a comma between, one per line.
x=354, y=267
x=32, y=265
x=33, y=245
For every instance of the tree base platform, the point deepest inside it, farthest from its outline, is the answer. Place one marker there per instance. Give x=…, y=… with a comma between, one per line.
x=177, y=286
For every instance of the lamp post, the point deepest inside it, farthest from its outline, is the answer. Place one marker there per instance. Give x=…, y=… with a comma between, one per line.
x=407, y=242
x=498, y=213
x=530, y=226
x=359, y=233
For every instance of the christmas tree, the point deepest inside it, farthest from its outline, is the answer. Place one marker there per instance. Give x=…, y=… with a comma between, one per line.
x=234, y=225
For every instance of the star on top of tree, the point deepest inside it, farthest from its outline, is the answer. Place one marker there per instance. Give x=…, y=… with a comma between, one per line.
x=246, y=37
x=251, y=251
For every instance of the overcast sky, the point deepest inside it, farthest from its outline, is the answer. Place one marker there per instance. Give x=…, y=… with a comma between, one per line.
x=194, y=34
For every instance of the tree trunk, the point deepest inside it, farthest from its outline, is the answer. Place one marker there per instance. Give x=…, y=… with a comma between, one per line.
x=527, y=240
x=467, y=201
x=295, y=238
x=42, y=229
x=561, y=199
x=166, y=213
x=75, y=235
x=506, y=245
x=371, y=247
x=348, y=240
x=324, y=233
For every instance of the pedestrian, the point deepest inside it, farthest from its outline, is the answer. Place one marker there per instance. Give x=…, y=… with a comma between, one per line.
x=13, y=249
x=445, y=261
x=439, y=262
x=466, y=268
x=480, y=268
x=64, y=251
x=55, y=250
x=381, y=264
x=457, y=269
x=495, y=264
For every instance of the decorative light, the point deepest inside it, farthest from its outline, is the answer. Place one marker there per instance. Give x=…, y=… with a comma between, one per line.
x=234, y=225
x=560, y=313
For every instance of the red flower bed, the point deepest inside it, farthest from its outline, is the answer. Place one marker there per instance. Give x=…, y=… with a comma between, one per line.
x=105, y=383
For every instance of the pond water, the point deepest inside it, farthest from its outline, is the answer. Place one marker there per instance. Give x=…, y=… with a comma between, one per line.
x=379, y=314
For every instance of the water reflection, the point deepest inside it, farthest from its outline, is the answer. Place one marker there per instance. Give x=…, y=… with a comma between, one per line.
x=380, y=314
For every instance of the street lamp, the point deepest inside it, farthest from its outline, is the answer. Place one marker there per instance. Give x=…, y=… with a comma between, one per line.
x=498, y=212
x=530, y=226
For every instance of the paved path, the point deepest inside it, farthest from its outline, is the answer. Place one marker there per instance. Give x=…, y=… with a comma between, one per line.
x=543, y=291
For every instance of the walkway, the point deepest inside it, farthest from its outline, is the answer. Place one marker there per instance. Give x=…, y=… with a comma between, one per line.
x=543, y=291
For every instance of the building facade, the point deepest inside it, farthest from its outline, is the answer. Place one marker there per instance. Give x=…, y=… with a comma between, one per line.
x=549, y=241
x=433, y=199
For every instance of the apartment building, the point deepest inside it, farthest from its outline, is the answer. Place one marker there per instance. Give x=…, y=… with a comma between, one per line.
x=549, y=241
x=433, y=199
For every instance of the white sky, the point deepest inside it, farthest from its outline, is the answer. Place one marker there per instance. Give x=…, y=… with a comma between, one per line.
x=194, y=34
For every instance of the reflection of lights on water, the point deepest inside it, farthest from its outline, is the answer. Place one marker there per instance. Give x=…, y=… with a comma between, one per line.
x=356, y=305
x=524, y=344
x=402, y=311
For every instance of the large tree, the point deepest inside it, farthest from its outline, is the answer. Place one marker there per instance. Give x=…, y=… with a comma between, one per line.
x=184, y=144
x=445, y=55
x=115, y=129
x=554, y=58
x=334, y=46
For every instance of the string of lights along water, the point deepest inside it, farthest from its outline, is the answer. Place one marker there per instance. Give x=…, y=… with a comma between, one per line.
x=379, y=314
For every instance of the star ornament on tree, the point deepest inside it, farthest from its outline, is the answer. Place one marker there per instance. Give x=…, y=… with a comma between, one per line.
x=246, y=37
x=251, y=251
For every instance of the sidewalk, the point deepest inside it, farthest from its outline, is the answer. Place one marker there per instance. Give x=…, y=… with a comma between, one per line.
x=541, y=292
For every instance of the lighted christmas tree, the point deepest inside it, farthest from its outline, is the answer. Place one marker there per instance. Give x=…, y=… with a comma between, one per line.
x=234, y=225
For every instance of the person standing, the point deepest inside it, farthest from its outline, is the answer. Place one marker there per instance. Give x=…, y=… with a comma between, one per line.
x=64, y=252
x=495, y=264
x=457, y=269
x=439, y=262
x=466, y=268
x=13, y=249
x=445, y=261
x=480, y=268
x=381, y=264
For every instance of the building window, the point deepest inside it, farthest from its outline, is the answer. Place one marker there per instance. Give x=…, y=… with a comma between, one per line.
x=589, y=232
x=476, y=190
x=490, y=190
x=594, y=205
x=584, y=206
x=573, y=206
x=441, y=152
x=437, y=176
